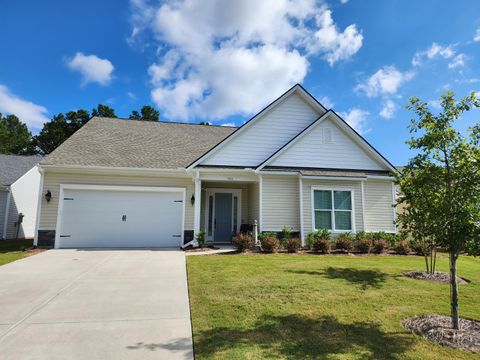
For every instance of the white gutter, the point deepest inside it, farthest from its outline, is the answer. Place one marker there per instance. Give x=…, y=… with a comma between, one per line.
x=334, y=178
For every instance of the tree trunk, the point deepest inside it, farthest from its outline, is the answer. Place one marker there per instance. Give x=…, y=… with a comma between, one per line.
x=454, y=291
x=434, y=269
x=426, y=263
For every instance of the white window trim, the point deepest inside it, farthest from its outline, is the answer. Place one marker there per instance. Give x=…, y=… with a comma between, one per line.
x=352, y=212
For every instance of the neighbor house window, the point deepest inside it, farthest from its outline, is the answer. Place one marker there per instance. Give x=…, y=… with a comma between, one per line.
x=333, y=210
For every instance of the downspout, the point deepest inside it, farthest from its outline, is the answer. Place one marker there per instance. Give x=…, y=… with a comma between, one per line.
x=300, y=189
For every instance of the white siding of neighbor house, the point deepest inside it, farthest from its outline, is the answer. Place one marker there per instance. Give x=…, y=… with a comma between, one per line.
x=280, y=202
x=266, y=134
x=3, y=208
x=308, y=224
x=52, y=181
x=24, y=199
x=378, y=205
x=314, y=149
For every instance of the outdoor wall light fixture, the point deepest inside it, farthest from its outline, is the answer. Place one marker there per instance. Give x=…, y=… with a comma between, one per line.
x=48, y=196
x=192, y=200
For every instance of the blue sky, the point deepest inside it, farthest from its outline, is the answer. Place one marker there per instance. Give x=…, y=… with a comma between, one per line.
x=221, y=62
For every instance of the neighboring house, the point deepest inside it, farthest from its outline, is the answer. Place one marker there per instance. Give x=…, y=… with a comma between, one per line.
x=123, y=183
x=19, y=189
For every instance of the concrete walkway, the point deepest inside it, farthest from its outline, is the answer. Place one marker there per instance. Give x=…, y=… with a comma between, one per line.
x=95, y=304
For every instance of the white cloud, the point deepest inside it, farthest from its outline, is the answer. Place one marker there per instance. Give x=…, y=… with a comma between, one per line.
x=385, y=81
x=32, y=114
x=218, y=58
x=131, y=95
x=357, y=119
x=434, y=51
x=435, y=104
x=388, y=110
x=343, y=1
x=477, y=35
x=457, y=61
x=92, y=68
x=228, y=124
x=327, y=102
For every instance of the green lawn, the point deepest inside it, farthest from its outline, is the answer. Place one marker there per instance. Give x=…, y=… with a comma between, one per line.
x=319, y=307
x=11, y=250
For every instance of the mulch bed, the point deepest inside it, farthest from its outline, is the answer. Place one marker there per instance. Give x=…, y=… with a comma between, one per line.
x=436, y=328
x=438, y=276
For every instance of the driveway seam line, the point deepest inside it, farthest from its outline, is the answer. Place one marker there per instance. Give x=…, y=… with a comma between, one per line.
x=46, y=302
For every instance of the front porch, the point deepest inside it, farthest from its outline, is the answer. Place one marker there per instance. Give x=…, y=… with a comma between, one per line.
x=227, y=208
x=225, y=204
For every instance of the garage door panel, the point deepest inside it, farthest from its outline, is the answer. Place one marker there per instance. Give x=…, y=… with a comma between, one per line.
x=94, y=218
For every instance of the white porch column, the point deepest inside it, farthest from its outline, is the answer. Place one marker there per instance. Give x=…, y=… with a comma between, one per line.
x=260, y=204
x=363, y=204
x=198, y=202
x=300, y=194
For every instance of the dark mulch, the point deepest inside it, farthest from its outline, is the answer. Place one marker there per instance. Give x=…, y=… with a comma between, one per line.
x=438, y=276
x=436, y=328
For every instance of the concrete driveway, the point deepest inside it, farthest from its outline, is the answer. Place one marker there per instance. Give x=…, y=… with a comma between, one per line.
x=95, y=304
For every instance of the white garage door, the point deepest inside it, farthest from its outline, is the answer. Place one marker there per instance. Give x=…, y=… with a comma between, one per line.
x=112, y=218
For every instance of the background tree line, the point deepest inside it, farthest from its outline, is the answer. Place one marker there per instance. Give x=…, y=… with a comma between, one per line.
x=16, y=138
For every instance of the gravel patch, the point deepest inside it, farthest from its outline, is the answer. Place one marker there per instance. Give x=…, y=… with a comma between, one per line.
x=438, y=276
x=436, y=328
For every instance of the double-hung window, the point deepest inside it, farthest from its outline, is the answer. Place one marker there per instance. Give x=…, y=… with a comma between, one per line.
x=332, y=210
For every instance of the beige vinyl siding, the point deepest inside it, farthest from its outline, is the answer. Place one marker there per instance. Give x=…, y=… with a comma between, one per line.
x=331, y=184
x=280, y=202
x=253, y=202
x=378, y=205
x=52, y=181
x=226, y=185
x=270, y=131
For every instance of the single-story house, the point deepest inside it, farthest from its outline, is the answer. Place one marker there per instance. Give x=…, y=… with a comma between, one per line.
x=19, y=189
x=126, y=183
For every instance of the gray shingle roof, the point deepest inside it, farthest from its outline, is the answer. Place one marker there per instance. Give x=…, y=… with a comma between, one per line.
x=13, y=167
x=137, y=144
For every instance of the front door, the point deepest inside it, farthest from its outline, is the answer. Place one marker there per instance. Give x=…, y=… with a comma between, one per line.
x=223, y=218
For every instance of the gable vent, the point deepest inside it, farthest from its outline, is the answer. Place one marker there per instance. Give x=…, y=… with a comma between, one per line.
x=327, y=135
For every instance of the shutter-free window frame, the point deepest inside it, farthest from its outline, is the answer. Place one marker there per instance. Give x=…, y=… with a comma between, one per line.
x=332, y=191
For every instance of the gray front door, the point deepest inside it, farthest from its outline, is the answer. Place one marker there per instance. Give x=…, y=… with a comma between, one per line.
x=223, y=218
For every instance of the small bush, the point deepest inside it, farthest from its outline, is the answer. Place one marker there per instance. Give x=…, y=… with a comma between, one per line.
x=292, y=245
x=363, y=245
x=201, y=239
x=286, y=234
x=402, y=247
x=379, y=246
x=344, y=242
x=270, y=244
x=318, y=234
x=263, y=234
x=243, y=242
x=360, y=235
x=321, y=246
x=419, y=248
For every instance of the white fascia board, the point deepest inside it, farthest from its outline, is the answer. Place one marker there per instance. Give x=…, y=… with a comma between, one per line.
x=380, y=177
x=295, y=89
x=279, y=172
x=299, y=136
x=359, y=178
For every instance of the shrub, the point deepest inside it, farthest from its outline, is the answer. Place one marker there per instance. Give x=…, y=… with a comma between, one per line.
x=321, y=245
x=344, y=242
x=379, y=246
x=243, y=242
x=318, y=234
x=286, y=234
x=292, y=245
x=402, y=247
x=201, y=239
x=263, y=234
x=419, y=247
x=363, y=245
x=270, y=244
